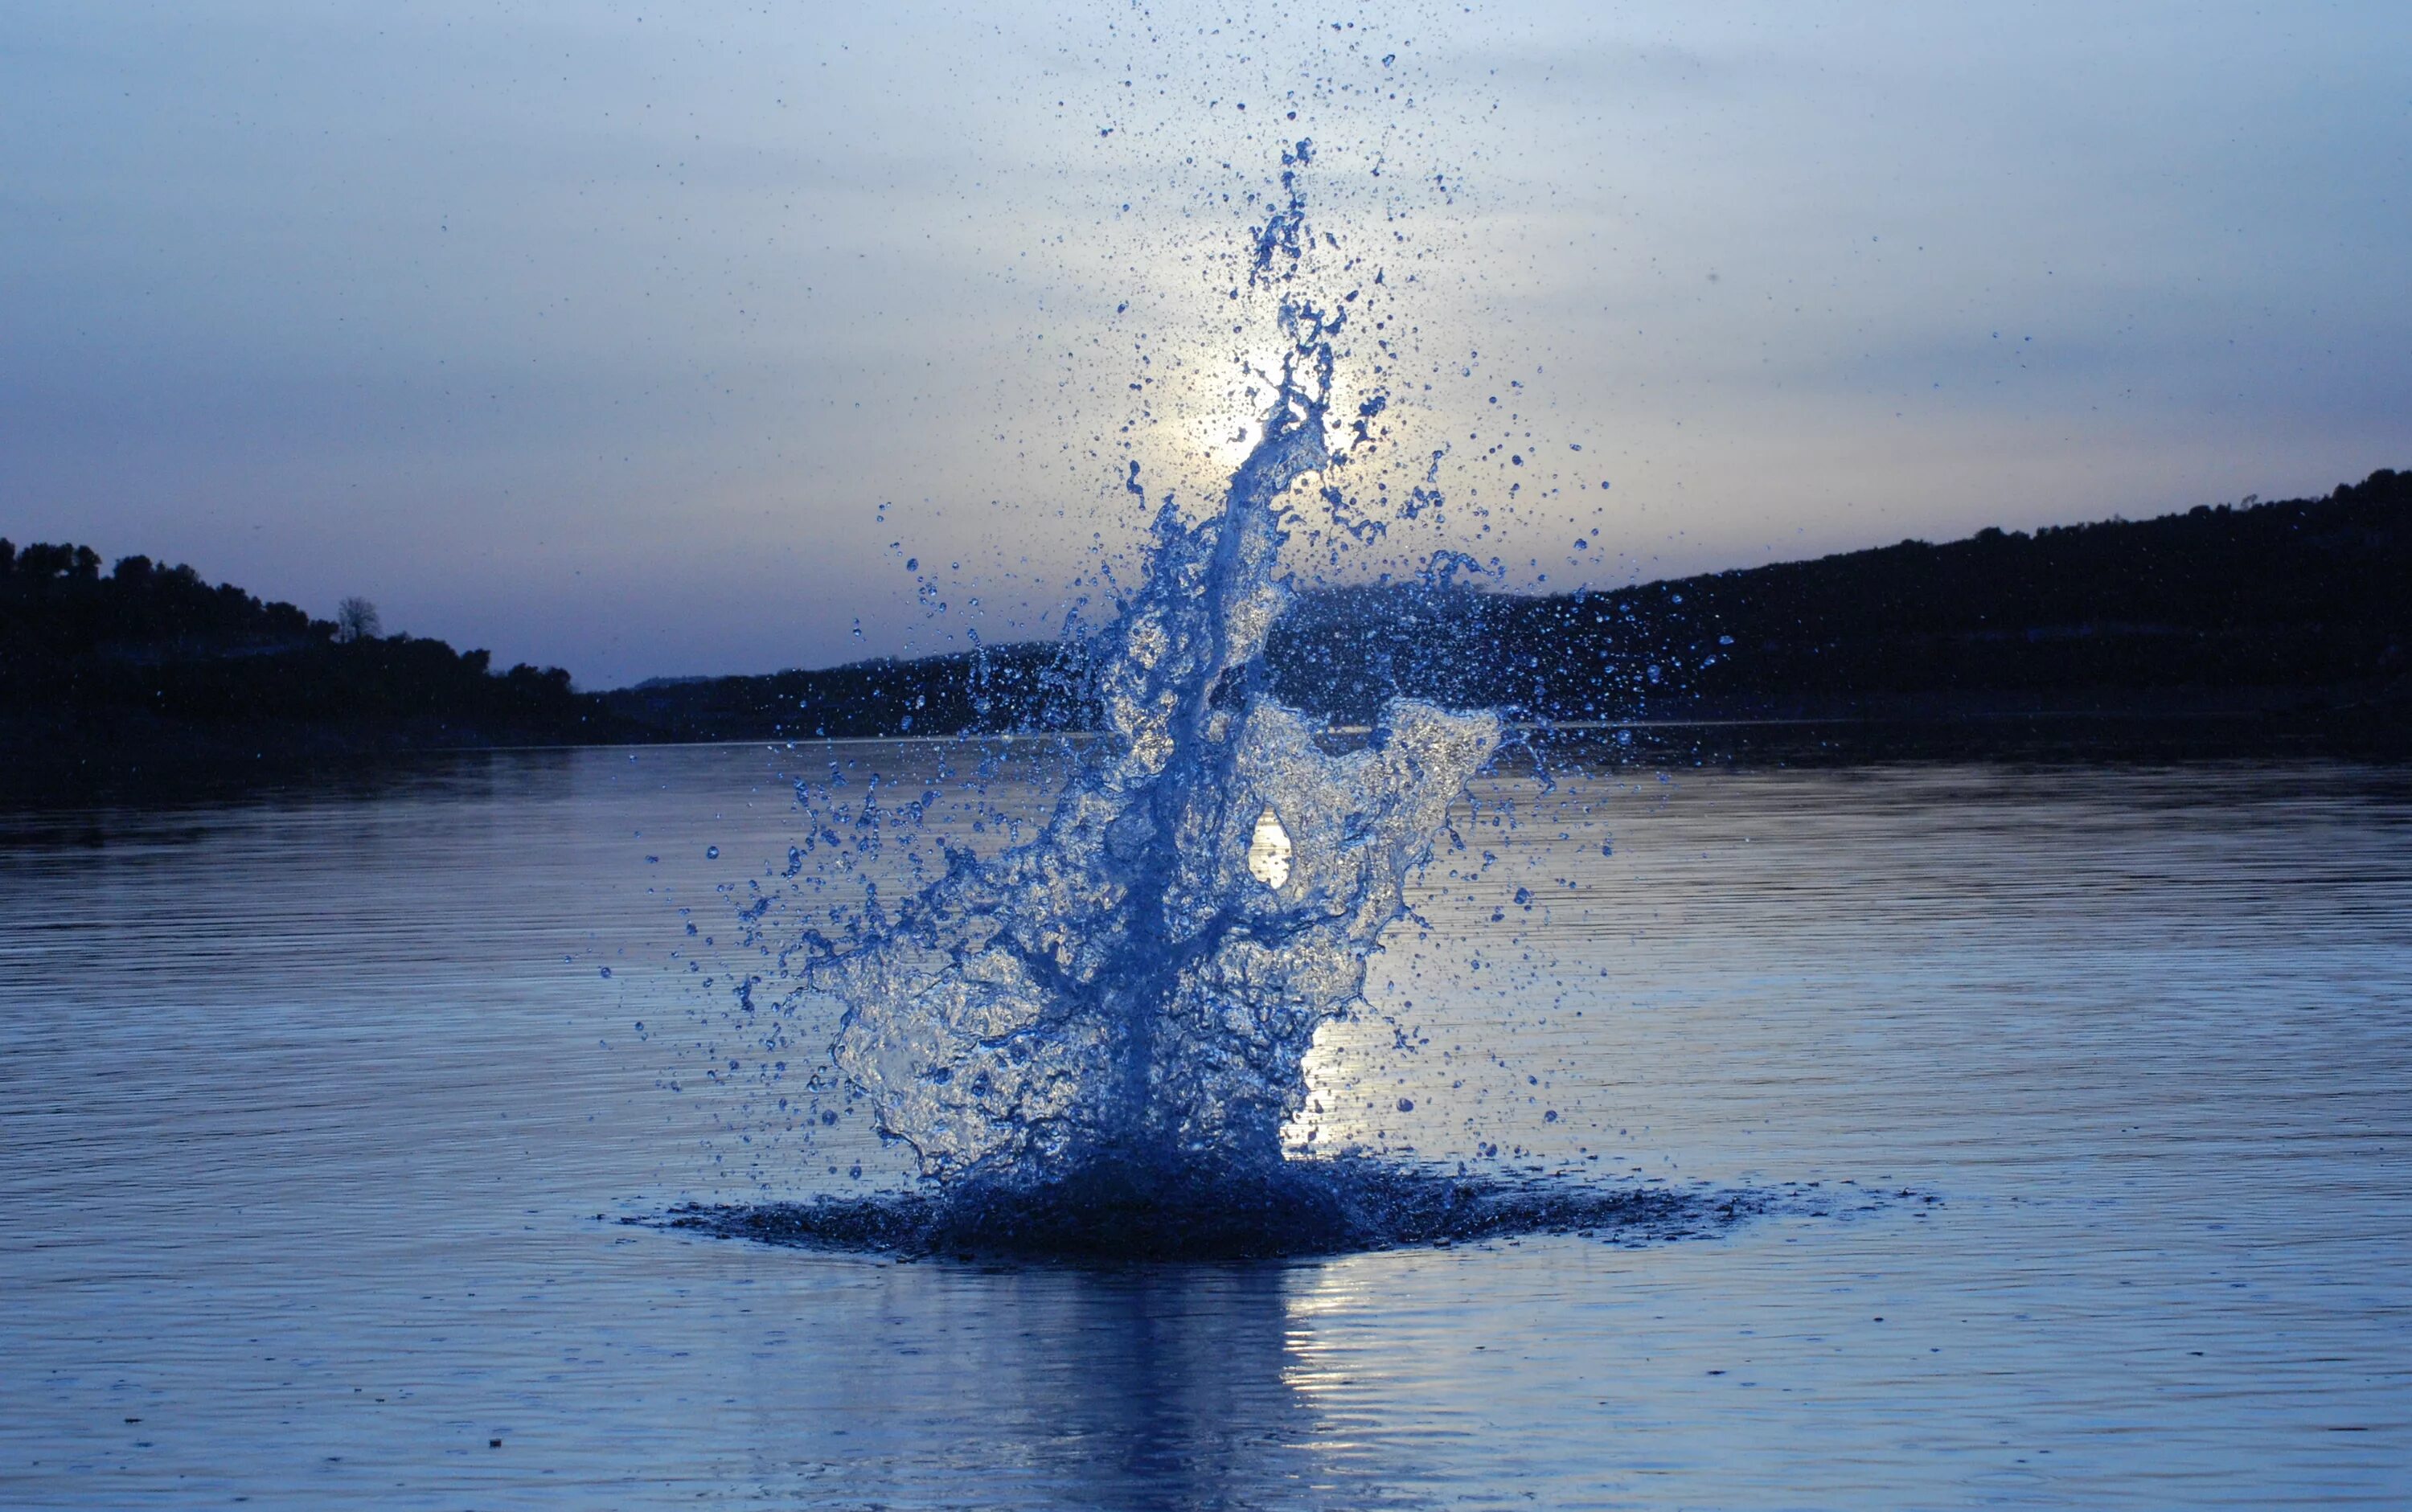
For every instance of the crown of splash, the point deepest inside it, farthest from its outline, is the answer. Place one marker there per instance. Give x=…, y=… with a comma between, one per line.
x=1122, y=990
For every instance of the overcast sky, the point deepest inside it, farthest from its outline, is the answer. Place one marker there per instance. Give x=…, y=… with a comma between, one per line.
x=599, y=334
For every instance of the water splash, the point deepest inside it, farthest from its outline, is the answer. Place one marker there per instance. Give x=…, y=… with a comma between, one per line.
x=1306, y=1208
x=1137, y=988
x=1094, y=1040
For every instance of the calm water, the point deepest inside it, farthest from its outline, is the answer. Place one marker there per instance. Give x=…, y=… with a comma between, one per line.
x=319, y=1115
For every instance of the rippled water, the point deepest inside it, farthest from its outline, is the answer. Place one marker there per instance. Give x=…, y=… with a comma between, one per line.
x=310, y=1106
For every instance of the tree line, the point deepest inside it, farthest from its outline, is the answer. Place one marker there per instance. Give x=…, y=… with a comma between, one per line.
x=2250, y=604
x=148, y=656
x=2227, y=602
x=2226, y=606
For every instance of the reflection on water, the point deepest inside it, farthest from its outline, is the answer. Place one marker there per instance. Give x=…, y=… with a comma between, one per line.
x=1268, y=851
x=1171, y=1387
x=310, y=1106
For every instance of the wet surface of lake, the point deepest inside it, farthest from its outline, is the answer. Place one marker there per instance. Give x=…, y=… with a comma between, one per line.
x=319, y=1114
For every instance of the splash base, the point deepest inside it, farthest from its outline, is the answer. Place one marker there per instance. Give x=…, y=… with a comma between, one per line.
x=1114, y=1211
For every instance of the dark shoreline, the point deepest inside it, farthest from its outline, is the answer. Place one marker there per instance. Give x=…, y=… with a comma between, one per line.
x=2231, y=631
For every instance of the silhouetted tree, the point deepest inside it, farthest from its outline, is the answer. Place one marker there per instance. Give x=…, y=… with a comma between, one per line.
x=355, y=619
x=43, y=560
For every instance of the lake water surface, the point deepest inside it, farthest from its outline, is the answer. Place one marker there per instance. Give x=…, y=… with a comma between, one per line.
x=320, y=1114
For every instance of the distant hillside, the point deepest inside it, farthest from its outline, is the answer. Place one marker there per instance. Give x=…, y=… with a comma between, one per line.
x=1019, y=687
x=149, y=665
x=2281, y=610
x=2220, y=610
x=2220, y=606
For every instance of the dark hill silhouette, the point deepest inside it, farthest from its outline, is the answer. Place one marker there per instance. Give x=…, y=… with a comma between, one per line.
x=2297, y=612
x=149, y=666
x=2300, y=608
x=1026, y=687
x=2254, y=605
